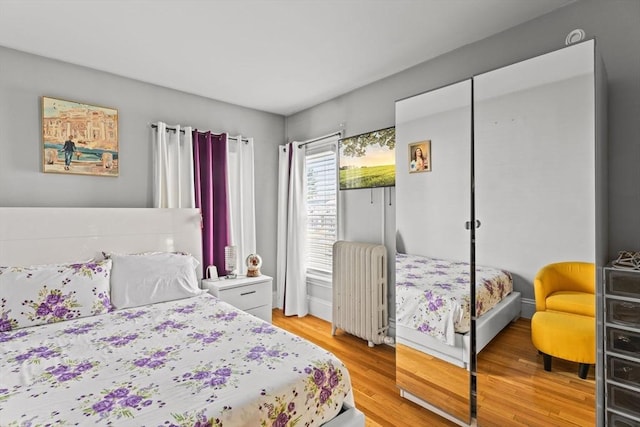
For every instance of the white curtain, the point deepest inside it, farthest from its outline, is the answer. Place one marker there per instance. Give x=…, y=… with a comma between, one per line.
x=242, y=211
x=292, y=230
x=173, y=182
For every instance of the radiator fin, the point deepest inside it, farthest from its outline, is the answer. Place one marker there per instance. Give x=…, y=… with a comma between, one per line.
x=360, y=290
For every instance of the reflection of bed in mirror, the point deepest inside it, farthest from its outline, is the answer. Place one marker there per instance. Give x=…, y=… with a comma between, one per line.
x=432, y=306
x=433, y=348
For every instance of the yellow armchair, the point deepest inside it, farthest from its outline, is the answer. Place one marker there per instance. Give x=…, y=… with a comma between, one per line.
x=564, y=323
x=567, y=287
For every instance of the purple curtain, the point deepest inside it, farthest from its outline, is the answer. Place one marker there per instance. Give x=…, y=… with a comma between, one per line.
x=210, y=171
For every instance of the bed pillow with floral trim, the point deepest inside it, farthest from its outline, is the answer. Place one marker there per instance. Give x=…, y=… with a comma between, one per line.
x=40, y=294
x=141, y=279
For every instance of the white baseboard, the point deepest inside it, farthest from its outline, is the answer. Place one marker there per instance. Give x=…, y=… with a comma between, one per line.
x=392, y=328
x=320, y=308
x=528, y=308
x=317, y=307
x=323, y=309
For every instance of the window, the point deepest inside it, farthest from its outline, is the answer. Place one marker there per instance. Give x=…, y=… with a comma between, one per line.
x=322, y=228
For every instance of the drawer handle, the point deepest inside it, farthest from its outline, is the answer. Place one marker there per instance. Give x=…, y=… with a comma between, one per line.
x=247, y=293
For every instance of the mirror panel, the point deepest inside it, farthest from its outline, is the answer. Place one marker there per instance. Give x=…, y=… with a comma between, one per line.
x=432, y=206
x=534, y=165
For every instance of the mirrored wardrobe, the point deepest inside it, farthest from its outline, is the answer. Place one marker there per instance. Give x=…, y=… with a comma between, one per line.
x=514, y=181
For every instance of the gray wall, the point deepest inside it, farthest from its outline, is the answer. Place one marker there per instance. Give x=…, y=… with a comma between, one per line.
x=24, y=78
x=616, y=26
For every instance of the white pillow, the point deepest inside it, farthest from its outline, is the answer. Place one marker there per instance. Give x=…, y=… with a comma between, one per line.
x=41, y=294
x=142, y=279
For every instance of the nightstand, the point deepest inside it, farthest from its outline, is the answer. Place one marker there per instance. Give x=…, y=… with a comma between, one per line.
x=250, y=294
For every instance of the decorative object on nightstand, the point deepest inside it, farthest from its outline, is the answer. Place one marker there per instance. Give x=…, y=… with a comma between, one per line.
x=627, y=259
x=230, y=261
x=250, y=294
x=212, y=272
x=254, y=262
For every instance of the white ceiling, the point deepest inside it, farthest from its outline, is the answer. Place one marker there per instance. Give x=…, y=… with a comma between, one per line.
x=280, y=56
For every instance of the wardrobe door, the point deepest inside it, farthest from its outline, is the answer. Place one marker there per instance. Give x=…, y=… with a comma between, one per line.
x=535, y=193
x=432, y=206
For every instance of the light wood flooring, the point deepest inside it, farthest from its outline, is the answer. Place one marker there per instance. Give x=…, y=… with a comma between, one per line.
x=513, y=388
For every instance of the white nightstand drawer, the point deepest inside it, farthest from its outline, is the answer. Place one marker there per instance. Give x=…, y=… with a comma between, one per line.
x=263, y=312
x=248, y=296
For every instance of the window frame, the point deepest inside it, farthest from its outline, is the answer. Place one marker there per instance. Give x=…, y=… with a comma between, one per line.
x=315, y=151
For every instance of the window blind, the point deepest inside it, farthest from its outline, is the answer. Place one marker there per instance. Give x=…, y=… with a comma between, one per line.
x=322, y=228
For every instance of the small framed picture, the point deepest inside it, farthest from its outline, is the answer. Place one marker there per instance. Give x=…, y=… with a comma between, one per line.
x=420, y=156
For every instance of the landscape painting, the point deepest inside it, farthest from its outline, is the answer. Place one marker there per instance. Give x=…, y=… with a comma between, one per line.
x=79, y=138
x=368, y=160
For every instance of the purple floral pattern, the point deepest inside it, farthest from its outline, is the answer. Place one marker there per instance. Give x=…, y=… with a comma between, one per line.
x=52, y=293
x=120, y=402
x=207, y=376
x=206, y=337
x=324, y=389
x=89, y=269
x=34, y=355
x=6, y=322
x=432, y=295
x=281, y=413
x=155, y=359
x=263, y=329
x=6, y=336
x=82, y=329
x=118, y=340
x=57, y=375
x=225, y=315
x=264, y=354
x=122, y=366
x=322, y=381
x=168, y=325
x=130, y=315
x=52, y=306
x=194, y=419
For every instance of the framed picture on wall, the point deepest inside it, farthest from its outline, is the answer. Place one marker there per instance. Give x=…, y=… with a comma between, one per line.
x=368, y=160
x=420, y=156
x=79, y=138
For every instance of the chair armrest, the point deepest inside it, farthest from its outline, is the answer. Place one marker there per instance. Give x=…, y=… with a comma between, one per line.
x=563, y=276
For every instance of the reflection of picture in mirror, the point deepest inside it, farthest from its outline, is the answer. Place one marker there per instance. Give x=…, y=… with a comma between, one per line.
x=420, y=156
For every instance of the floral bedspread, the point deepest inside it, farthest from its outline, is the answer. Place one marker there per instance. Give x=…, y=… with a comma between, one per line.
x=191, y=362
x=432, y=295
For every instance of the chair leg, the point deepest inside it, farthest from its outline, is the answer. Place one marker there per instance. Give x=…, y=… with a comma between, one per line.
x=583, y=370
x=547, y=362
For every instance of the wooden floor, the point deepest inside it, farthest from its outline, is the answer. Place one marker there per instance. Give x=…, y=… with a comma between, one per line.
x=513, y=388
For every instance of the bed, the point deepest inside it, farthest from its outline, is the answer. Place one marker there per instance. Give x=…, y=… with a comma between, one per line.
x=432, y=327
x=432, y=305
x=170, y=354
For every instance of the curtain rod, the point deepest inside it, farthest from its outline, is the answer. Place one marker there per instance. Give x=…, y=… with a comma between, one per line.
x=155, y=126
x=320, y=138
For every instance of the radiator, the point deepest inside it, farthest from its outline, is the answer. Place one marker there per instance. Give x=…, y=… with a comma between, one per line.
x=360, y=290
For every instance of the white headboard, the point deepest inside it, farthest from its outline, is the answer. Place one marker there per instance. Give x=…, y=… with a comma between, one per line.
x=56, y=235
